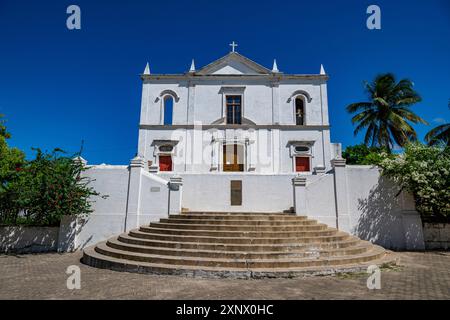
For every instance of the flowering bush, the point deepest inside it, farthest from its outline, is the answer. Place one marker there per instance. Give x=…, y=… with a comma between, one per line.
x=425, y=172
x=40, y=191
x=45, y=189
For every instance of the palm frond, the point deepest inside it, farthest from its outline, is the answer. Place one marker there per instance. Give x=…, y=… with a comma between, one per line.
x=386, y=115
x=409, y=115
x=358, y=106
x=439, y=134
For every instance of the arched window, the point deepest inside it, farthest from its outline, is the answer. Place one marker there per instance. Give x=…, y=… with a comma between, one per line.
x=299, y=111
x=168, y=110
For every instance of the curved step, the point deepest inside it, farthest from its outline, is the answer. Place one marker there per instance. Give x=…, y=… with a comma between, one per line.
x=371, y=254
x=239, y=213
x=231, y=234
x=301, y=222
x=350, y=241
x=237, y=227
x=234, y=245
x=92, y=258
x=239, y=217
x=249, y=240
x=294, y=253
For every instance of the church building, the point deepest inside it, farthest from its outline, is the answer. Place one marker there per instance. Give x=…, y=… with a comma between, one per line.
x=235, y=174
x=235, y=115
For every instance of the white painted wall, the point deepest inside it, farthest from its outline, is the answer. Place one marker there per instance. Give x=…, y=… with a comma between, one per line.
x=320, y=199
x=260, y=193
x=374, y=212
x=110, y=216
x=377, y=214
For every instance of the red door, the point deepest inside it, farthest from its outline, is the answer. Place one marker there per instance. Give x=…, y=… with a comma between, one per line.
x=165, y=163
x=302, y=164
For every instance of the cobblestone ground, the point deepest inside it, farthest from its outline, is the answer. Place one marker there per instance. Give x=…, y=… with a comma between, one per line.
x=42, y=276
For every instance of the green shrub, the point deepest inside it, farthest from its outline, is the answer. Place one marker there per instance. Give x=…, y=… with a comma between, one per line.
x=362, y=154
x=45, y=189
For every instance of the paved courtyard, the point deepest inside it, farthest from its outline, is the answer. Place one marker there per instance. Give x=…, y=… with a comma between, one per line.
x=42, y=276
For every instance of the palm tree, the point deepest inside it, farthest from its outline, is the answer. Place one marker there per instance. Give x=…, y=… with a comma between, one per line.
x=387, y=113
x=439, y=134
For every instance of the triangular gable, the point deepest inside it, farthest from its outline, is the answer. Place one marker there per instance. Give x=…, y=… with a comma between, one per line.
x=233, y=63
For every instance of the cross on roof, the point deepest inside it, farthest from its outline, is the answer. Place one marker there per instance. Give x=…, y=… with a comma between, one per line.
x=233, y=46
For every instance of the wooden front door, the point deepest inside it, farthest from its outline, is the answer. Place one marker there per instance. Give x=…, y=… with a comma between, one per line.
x=165, y=163
x=233, y=158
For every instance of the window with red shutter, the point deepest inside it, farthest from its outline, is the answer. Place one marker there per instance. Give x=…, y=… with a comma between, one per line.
x=302, y=164
x=165, y=163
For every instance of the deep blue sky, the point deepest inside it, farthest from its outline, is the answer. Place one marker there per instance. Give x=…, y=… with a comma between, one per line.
x=58, y=87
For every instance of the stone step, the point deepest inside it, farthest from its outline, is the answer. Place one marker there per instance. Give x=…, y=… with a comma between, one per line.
x=249, y=240
x=116, y=243
x=253, y=247
x=238, y=217
x=232, y=234
x=92, y=258
x=371, y=254
x=225, y=227
x=302, y=222
x=243, y=245
x=221, y=213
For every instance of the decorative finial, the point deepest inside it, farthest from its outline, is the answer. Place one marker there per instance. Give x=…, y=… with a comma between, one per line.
x=322, y=69
x=192, y=69
x=147, y=69
x=233, y=46
x=275, y=67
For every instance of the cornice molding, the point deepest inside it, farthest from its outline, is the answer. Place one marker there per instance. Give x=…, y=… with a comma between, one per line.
x=195, y=77
x=228, y=126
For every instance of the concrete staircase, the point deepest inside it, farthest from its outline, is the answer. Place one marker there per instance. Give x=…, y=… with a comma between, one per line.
x=239, y=245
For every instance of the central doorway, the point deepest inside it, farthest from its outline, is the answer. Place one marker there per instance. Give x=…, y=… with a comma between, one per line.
x=233, y=157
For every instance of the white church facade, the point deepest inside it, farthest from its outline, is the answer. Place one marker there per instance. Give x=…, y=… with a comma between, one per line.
x=235, y=115
x=237, y=137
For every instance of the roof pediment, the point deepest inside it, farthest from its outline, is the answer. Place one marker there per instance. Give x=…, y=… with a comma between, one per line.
x=233, y=64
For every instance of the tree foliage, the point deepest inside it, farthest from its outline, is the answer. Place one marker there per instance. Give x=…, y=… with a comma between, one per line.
x=42, y=190
x=387, y=116
x=362, y=154
x=11, y=159
x=424, y=171
x=439, y=134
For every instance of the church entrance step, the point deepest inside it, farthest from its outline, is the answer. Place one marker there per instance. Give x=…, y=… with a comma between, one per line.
x=239, y=216
x=94, y=259
x=239, y=227
x=238, y=239
x=252, y=247
x=304, y=252
x=220, y=244
x=238, y=222
x=232, y=233
x=371, y=254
